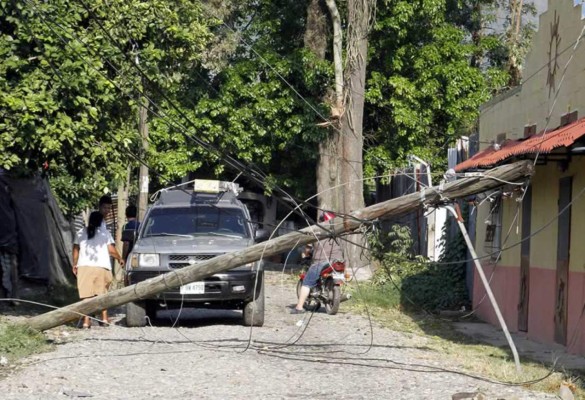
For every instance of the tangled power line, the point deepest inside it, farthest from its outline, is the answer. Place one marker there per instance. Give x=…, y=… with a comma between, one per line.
x=258, y=176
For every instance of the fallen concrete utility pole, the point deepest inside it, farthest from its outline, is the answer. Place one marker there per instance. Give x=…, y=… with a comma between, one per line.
x=430, y=196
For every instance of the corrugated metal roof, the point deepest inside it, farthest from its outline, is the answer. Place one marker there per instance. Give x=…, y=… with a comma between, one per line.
x=536, y=144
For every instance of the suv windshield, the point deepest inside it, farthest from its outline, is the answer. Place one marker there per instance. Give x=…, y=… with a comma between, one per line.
x=196, y=220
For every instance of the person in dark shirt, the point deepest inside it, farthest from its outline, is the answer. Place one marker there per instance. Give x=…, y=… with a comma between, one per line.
x=129, y=231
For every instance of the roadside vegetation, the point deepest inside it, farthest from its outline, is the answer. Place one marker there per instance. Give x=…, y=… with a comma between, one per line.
x=73, y=73
x=16, y=342
x=473, y=357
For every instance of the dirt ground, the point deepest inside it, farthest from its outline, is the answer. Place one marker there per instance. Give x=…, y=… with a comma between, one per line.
x=209, y=355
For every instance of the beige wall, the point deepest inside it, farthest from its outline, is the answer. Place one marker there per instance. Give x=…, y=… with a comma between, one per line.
x=577, y=260
x=545, y=191
x=511, y=231
x=531, y=103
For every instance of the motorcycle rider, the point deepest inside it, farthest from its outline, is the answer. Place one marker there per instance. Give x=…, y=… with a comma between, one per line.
x=324, y=252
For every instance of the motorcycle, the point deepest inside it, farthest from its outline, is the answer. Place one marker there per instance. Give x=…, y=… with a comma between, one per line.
x=328, y=289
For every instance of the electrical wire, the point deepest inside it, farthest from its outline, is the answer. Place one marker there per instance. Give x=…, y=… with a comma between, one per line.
x=10, y=299
x=227, y=159
x=168, y=100
x=253, y=174
x=412, y=367
x=297, y=339
x=250, y=334
x=144, y=76
x=305, y=357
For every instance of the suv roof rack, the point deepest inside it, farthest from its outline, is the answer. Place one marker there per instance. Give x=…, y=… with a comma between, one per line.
x=202, y=191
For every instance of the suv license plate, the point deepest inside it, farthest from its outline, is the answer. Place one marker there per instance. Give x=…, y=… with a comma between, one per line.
x=193, y=288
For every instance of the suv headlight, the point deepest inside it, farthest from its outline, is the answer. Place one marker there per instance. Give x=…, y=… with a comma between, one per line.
x=148, y=260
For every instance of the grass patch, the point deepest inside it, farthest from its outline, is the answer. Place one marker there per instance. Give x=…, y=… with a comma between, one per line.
x=17, y=341
x=383, y=303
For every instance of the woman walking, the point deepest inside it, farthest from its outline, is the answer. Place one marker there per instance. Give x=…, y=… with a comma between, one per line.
x=92, y=249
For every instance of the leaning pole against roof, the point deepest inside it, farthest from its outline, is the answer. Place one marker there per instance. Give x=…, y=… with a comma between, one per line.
x=430, y=196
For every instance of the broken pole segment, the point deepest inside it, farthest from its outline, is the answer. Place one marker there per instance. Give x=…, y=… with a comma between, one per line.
x=433, y=195
x=486, y=284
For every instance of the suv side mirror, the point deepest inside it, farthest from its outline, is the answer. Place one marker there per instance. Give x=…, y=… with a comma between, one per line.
x=261, y=235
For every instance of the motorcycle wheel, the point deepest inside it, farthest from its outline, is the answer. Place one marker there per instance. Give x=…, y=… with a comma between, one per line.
x=334, y=297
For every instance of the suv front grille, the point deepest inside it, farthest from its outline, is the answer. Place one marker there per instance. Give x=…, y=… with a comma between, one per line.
x=184, y=260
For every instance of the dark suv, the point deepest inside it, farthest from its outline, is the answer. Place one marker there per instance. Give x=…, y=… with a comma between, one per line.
x=185, y=227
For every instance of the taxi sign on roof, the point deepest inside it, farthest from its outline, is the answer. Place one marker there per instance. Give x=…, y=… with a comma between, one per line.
x=206, y=186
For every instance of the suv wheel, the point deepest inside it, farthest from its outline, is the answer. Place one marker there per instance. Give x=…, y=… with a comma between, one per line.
x=135, y=314
x=254, y=310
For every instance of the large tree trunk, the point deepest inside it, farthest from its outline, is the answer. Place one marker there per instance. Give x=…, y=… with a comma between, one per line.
x=514, y=67
x=340, y=166
x=316, y=40
x=359, y=18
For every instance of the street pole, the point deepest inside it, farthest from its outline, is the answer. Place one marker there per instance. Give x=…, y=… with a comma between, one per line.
x=143, y=174
x=120, y=218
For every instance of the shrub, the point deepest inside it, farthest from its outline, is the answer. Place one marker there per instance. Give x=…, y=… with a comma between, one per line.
x=421, y=283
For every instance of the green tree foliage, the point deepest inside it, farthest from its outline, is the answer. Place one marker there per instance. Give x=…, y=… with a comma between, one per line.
x=216, y=71
x=52, y=102
x=250, y=111
x=423, y=89
x=68, y=92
